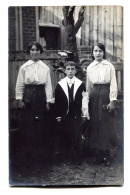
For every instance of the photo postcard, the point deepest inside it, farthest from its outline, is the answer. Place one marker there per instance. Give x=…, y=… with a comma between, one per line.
x=65, y=99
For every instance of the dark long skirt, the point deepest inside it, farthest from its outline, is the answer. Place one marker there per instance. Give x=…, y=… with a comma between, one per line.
x=33, y=127
x=102, y=123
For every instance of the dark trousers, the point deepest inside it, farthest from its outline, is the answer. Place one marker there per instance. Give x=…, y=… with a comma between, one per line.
x=70, y=136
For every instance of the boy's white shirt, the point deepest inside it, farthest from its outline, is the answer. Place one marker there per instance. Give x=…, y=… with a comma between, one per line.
x=63, y=84
x=77, y=83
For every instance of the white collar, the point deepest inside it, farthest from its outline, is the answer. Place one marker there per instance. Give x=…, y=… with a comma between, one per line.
x=94, y=63
x=63, y=84
x=30, y=62
x=72, y=81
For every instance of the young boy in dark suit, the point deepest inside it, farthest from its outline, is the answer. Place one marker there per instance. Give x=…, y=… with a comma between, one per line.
x=69, y=112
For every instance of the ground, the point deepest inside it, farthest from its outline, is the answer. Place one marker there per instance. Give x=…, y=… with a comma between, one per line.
x=57, y=171
x=65, y=174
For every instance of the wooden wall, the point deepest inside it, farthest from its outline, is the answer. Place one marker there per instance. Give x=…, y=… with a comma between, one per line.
x=101, y=24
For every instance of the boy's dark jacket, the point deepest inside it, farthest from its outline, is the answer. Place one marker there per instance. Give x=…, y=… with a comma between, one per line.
x=62, y=99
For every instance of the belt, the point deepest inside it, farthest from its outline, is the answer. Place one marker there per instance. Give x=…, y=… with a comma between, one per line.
x=102, y=85
x=34, y=86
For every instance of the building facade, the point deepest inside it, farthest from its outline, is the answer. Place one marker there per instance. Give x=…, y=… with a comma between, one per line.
x=44, y=24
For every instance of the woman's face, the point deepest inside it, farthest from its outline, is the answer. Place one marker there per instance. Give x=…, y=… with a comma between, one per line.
x=34, y=53
x=98, y=53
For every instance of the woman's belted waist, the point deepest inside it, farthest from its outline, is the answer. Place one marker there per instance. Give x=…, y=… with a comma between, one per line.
x=35, y=87
x=105, y=85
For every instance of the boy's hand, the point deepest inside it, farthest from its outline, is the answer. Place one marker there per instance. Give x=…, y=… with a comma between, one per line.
x=47, y=107
x=58, y=120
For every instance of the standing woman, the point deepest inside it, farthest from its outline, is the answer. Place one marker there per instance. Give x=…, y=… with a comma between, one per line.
x=102, y=88
x=33, y=93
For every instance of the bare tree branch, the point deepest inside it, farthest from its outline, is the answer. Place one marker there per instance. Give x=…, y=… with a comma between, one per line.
x=68, y=15
x=71, y=11
x=80, y=19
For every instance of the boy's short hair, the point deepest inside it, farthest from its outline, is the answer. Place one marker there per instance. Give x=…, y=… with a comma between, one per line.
x=69, y=63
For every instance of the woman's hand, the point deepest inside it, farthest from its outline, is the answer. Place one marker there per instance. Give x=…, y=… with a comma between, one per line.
x=21, y=104
x=111, y=106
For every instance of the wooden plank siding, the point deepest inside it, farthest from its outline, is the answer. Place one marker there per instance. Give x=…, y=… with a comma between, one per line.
x=101, y=24
x=86, y=24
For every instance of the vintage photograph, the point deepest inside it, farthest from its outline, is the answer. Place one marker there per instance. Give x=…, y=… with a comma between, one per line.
x=65, y=68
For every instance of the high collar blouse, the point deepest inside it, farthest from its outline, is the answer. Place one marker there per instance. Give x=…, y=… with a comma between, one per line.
x=34, y=73
x=102, y=73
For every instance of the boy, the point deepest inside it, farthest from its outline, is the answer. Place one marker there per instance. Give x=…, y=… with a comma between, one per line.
x=68, y=103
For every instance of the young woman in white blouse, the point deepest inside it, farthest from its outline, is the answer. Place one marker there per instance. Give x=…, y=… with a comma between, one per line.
x=33, y=93
x=102, y=88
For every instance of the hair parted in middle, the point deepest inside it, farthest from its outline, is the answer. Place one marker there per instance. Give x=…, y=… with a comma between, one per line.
x=38, y=46
x=102, y=47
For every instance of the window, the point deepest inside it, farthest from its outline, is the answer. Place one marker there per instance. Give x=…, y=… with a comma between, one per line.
x=49, y=36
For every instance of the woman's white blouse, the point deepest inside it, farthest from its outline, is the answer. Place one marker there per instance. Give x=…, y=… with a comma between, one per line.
x=34, y=73
x=102, y=73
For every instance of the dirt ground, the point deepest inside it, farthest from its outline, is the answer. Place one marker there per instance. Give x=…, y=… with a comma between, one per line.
x=58, y=171
x=65, y=174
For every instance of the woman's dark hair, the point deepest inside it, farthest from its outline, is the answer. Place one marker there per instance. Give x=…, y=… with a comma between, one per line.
x=38, y=45
x=102, y=47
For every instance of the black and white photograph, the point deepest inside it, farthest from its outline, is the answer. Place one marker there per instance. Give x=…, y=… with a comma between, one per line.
x=66, y=95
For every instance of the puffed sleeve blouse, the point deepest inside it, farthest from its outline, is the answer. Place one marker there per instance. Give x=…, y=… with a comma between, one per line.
x=102, y=73
x=34, y=73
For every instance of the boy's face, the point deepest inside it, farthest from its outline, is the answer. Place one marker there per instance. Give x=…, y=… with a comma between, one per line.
x=70, y=71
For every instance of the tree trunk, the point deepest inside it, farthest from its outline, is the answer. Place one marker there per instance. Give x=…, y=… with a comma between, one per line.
x=71, y=29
